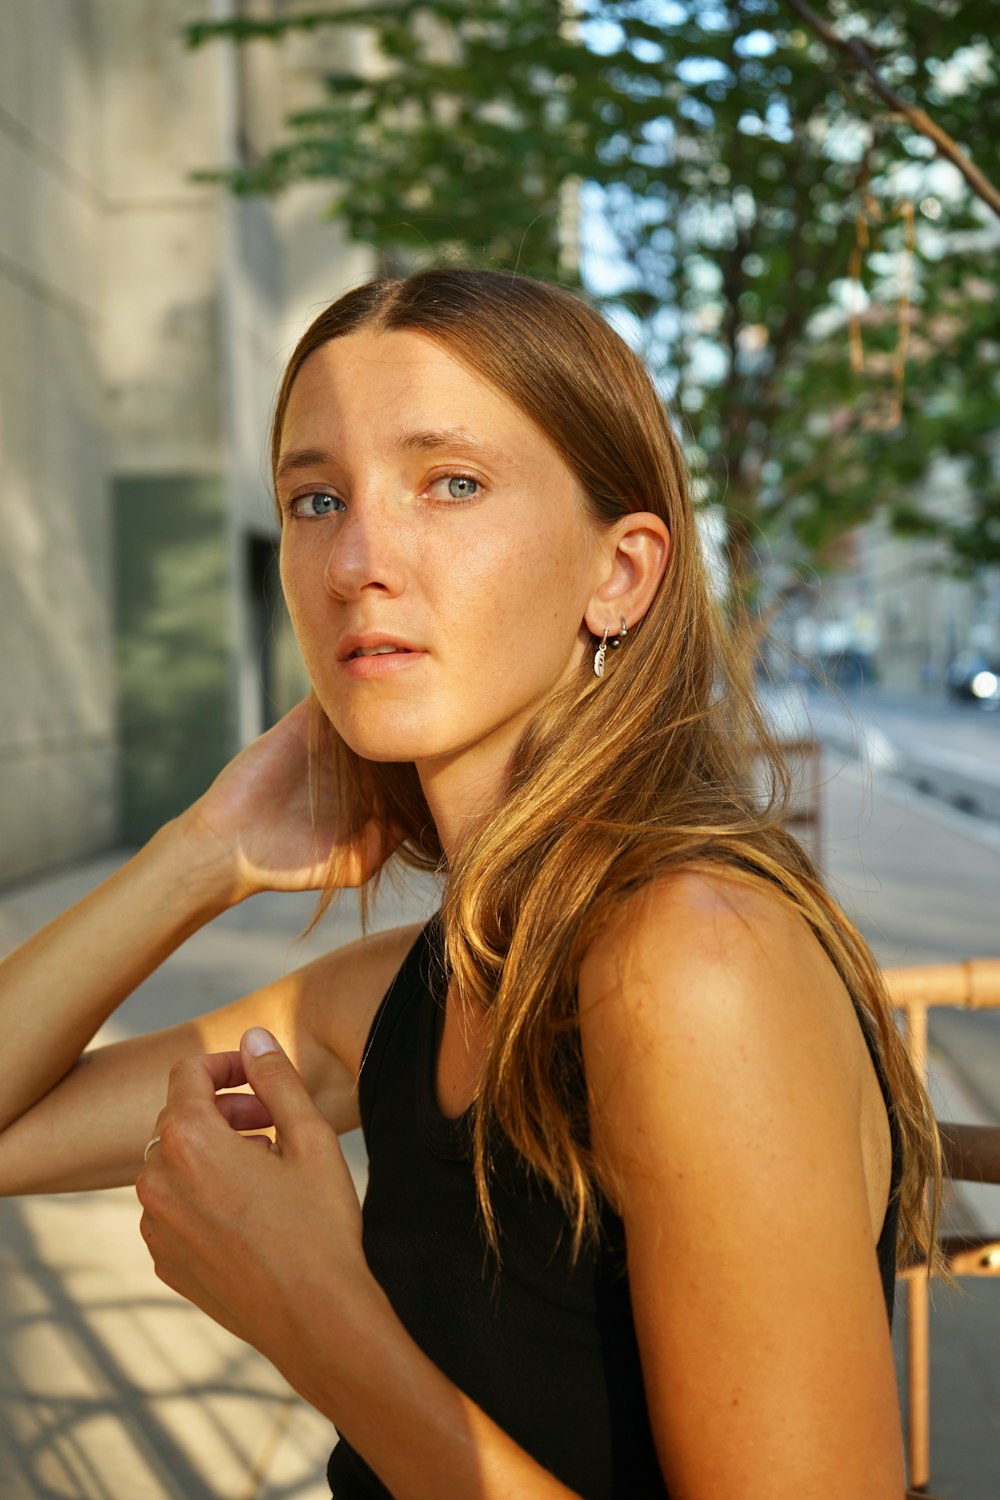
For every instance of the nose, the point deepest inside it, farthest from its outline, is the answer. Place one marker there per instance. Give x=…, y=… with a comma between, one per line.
x=366, y=553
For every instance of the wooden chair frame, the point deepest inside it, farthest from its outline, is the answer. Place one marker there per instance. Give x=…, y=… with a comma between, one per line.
x=804, y=817
x=971, y=1153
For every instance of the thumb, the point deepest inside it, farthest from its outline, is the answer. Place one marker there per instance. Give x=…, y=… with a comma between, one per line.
x=275, y=1082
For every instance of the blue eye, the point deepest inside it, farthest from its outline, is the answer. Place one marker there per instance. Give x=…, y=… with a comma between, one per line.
x=314, y=505
x=460, y=487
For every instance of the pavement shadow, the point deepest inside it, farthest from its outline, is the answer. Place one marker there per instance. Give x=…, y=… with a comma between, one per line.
x=97, y=1398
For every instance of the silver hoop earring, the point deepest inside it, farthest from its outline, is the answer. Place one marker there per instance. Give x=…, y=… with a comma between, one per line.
x=616, y=640
x=600, y=654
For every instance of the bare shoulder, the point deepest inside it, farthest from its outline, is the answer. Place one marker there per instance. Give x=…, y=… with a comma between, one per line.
x=697, y=923
x=717, y=984
x=728, y=1082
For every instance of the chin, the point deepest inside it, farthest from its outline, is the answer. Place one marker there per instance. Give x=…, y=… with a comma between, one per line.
x=388, y=743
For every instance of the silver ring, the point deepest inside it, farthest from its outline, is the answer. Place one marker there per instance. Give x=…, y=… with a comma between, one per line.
x=149, y=1146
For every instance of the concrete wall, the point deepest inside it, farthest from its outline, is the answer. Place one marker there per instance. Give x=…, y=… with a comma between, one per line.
x=58, y=756
x=165, y=113
x=146, y=321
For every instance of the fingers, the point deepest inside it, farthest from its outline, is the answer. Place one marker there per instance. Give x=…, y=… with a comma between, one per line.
x=193, y=1107
x=243, y=1111
x=196, y=1081
x=186, y=1129
x=198, y=1078
x=278, y=1086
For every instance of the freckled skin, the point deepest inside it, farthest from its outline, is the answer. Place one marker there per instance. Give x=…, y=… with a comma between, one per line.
x=493, y=588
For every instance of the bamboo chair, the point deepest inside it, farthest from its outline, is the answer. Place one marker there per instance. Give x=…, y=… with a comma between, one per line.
x=971, y=1154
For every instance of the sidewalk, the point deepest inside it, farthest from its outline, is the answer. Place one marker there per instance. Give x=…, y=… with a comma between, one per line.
x=922, y=882
x=115, y=1389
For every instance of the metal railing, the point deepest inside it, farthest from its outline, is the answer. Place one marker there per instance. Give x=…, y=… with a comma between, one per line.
x=971, y=1153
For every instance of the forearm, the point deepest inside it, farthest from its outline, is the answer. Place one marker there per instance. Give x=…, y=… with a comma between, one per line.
x=60, y=986
x=422, y=1436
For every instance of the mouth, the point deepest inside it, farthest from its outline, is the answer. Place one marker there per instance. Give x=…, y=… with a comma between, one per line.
x=379, y=651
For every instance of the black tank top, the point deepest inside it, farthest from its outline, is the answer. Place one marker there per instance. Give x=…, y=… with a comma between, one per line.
x=545, y=1346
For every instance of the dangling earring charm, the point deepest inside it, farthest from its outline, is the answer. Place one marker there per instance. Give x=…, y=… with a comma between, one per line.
x=616, y=640
x=600, y=654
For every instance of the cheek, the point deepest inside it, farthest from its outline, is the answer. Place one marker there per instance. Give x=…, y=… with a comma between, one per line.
x=528, y=585
x=297, y=589
x=522, y=629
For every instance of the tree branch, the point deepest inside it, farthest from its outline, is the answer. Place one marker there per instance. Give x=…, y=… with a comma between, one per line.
x=860, y=56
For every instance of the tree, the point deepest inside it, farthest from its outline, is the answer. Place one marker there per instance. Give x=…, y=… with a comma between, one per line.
x=808, y=274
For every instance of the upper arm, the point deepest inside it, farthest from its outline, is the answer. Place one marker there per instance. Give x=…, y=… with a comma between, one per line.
x=721, y=1056
x=90, y=1130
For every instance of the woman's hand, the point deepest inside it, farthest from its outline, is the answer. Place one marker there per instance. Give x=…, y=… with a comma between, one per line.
x=267, y=1240
x=255, y=1234
x=271, y=821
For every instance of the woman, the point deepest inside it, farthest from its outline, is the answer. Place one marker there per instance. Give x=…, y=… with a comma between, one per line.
x=632, y=1218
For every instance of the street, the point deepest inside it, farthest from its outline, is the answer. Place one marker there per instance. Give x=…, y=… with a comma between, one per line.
x=941, y=758
x=945, y=722
x=946, y=748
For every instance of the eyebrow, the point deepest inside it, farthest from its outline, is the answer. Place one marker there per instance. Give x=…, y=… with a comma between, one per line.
x=429, y=441
x=445, y=437
x=302, y=458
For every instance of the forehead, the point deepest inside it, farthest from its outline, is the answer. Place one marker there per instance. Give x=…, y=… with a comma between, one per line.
x=370, y=386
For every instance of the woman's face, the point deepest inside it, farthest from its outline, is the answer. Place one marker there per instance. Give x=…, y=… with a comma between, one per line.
x=436, y=553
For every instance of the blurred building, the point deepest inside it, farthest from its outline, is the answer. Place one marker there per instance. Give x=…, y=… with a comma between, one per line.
x=145, y=323
x=922, y=615
x=892, y=610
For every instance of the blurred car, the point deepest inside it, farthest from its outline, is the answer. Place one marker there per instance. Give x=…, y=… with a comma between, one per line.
x=974, y=678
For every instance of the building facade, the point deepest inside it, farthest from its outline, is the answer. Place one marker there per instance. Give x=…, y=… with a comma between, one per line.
x=146, y=320
x=894, y=611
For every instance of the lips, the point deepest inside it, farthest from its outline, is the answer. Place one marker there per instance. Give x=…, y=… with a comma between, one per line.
x=379, y=651
x=358, y=643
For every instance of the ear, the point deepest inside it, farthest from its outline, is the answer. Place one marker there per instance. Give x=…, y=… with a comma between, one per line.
x=636, y=550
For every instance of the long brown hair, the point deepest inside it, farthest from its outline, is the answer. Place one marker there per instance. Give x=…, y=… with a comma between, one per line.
x=669, y=754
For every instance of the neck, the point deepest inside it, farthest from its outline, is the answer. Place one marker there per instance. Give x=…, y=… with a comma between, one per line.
x=464, y=787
